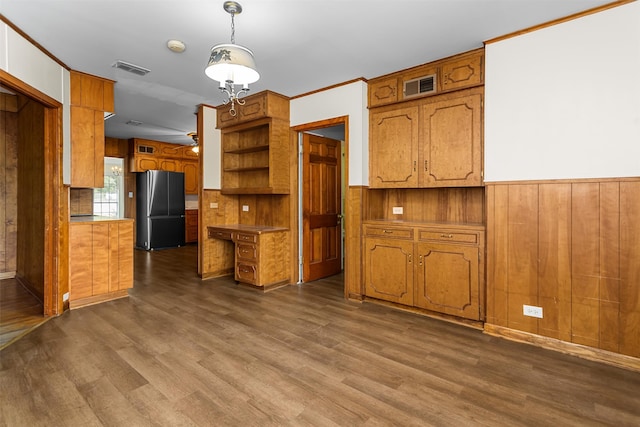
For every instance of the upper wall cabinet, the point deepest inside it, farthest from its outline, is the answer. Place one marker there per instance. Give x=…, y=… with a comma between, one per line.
x=429, y=142
x=145, y=154
x=91, y=99
x=255, y=146
x=457, y=72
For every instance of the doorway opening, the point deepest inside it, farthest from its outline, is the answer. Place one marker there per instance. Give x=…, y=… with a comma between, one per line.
x=32, y=265
x=322, y=181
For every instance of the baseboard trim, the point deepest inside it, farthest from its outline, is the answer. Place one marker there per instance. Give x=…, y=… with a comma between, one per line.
x=8, y=275
x=578, y=350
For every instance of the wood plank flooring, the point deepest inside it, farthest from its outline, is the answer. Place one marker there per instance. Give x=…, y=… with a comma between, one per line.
x=20, y=311
x=184, y=352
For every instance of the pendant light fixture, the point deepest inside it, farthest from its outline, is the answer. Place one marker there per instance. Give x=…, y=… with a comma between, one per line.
x=232, y=64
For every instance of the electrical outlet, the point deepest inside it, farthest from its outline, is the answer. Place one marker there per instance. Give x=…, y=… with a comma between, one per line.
x=532, y=311
x=65, y=297
x=398, y=210
x=213, y=205
x=245, y=208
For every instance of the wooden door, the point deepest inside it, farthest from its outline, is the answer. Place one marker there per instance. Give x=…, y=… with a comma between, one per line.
x=393, y=150
x=389, y=269
x=321, y=216
x=451, y=153
x=447, y=279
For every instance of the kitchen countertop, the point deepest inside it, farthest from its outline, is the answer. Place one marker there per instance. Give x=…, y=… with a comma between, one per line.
x=95, y=218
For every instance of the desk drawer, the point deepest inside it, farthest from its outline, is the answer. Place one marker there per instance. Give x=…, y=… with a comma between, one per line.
x=247, y=251
x=247, y=273
x=219, y=234
x=246, y=237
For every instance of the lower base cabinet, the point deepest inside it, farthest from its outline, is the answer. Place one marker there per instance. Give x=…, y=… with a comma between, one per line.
x=100, y=260
x=427, y=266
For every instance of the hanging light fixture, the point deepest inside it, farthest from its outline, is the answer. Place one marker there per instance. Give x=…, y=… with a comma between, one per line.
x=232, y=64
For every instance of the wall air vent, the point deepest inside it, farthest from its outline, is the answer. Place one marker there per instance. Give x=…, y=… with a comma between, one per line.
x=420, y=86
x=145, y=149
x=135, y=69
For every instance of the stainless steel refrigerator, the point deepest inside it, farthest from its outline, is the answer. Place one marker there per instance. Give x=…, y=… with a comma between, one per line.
x=159, y=209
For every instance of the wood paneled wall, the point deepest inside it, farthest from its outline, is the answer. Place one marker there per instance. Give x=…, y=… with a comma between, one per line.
x=8, y=184
x=31, y=200
x=216, y=256
x=355, y=200
x=572, y=248
x=456, y=205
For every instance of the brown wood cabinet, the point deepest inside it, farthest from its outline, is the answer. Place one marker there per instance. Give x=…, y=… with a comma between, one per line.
x=155, y=155
x=255, y=151
x=435, y=267
x=100, y=260
x=456, y=72
x=191, y=225
x=91, y=97
x=430, y=142
x=261, y=253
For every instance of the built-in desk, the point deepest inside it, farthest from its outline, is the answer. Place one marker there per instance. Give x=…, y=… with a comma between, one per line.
x=260, y=253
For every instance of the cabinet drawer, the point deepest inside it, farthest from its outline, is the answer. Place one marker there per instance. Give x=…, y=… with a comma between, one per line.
x=247, y=273
x=394, y=232
x=242, y=237
x=448, y=236
x=247, y=251
x=219, y=234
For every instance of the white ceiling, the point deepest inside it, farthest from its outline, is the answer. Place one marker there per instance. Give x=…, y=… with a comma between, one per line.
x=299, y=45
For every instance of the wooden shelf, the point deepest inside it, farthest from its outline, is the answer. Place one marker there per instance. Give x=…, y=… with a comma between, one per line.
x=249, y=169
x=247, y=150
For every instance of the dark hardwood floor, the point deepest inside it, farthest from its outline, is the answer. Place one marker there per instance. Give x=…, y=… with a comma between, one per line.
x=183, y=352
x=20, y=312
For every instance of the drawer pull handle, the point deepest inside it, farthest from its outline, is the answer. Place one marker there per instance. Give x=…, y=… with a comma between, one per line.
x=387, y=231
x=414, y=165
x=447, y=236
x=420, y=259
x=410, y=258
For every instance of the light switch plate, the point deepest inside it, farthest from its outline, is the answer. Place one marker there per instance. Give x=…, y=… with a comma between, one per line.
x=213, y=205
x=398, y=210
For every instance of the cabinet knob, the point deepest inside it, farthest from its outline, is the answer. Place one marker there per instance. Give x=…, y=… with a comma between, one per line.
x=410, y=258
x=420, y=259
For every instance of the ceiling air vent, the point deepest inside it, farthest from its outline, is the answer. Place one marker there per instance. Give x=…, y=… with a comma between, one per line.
x=135, y=69
x=420, y=86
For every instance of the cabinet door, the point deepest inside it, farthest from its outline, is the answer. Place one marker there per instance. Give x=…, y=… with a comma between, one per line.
x=81, y=261
x=190, y=170
x=144, y=163
x=87, y=148
x=389, y=270
x=393, y=148
x=451, y=153
x=447, y=279
x=463, y=72
x=170, y=165
x=383, y=92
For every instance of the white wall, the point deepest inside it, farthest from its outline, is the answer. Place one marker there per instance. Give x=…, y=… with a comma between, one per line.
x=28, y=64
x=564, y=101
x=211, y=151
x=348, y=100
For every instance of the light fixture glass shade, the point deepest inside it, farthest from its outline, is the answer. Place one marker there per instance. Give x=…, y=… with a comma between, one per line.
x=232, y=62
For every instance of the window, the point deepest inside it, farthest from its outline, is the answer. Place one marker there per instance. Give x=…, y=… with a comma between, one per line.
x=109, y=200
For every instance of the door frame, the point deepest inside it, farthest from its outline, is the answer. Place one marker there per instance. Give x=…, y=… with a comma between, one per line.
x=299, y=130
x=56, y=215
